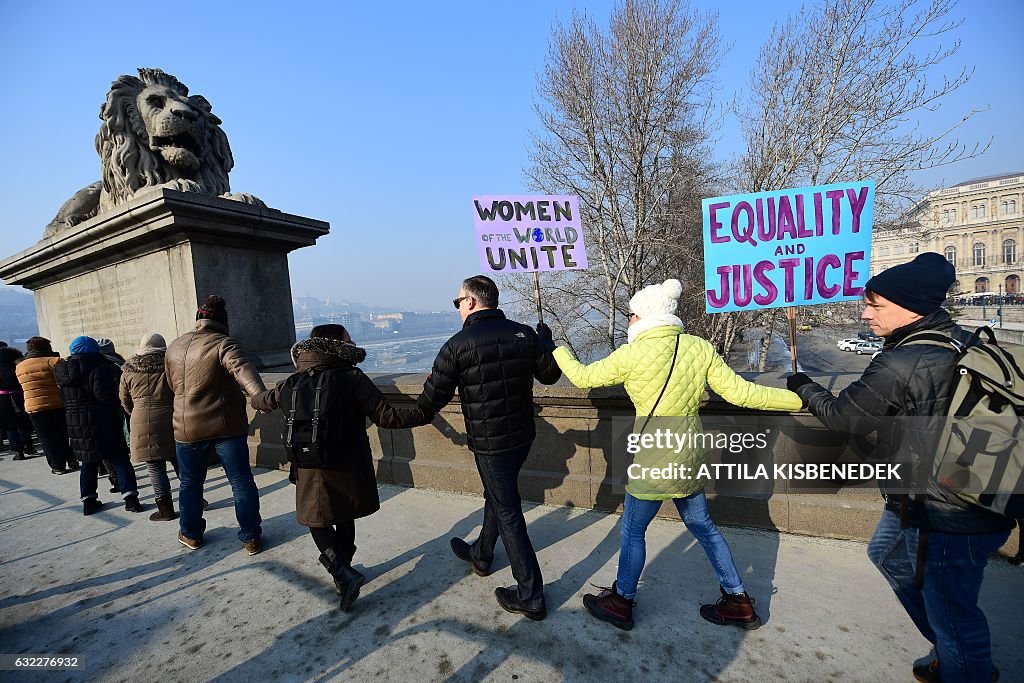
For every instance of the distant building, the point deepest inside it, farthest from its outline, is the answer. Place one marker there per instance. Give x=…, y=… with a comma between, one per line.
x=977, y=225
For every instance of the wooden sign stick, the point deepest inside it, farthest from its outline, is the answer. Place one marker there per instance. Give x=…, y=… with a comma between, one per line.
x=536, y=287
x=791, y=316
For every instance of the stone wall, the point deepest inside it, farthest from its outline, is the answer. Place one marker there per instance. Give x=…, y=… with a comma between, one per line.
x=571, y=461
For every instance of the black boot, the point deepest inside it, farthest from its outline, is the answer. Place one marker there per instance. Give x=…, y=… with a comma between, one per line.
x=132, y=504
x=30, y=448
x=19, y=453
x=90, y=506
x=347, y=581
x=165, y=510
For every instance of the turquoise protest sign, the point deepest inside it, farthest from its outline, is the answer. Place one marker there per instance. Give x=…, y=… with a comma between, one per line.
x=809, y=245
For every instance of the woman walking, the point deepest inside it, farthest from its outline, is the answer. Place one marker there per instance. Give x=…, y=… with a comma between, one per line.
x=665, y=373
x=330, y=497
x=149, y=402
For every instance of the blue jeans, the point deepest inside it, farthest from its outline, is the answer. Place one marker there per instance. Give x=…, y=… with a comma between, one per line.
x=945, y=610
x=637, y=516
x=87, y=477
x=234, y=455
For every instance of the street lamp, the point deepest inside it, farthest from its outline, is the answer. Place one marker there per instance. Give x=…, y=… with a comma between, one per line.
x=1000, y=309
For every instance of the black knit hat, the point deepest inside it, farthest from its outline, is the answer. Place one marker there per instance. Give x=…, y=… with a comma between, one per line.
x=919, y=286
x=213, y=308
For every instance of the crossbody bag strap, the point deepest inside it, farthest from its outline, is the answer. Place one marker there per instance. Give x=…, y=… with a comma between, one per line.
x=671, y=367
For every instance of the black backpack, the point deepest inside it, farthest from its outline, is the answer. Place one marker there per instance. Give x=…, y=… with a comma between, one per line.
x=305, y=399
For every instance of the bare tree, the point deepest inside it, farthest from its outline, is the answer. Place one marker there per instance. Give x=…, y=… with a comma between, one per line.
x=836, y=96
x=624, y=116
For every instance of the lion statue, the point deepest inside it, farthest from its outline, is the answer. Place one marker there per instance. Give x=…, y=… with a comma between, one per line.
x=154, y=135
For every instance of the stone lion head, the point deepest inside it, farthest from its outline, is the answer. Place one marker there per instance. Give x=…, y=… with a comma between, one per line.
x=154, y=133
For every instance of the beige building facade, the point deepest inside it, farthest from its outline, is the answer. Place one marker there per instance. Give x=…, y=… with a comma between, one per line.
x=977, y=225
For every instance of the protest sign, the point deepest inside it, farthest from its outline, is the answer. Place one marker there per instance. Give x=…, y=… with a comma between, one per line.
x=793, y=247
x=528, y=233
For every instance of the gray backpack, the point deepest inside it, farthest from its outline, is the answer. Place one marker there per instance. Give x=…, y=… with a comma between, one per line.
x=980, y=453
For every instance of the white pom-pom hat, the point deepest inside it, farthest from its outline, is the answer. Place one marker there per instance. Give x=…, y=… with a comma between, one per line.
x=655, y=300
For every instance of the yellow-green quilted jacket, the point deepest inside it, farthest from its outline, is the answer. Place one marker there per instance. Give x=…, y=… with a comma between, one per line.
x=642, y=366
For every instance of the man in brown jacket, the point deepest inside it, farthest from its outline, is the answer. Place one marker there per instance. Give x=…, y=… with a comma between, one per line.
x=208, y=371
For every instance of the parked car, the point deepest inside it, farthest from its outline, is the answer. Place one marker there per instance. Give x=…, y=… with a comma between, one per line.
x=869, y=336
x=867, y=347
x=847, y=344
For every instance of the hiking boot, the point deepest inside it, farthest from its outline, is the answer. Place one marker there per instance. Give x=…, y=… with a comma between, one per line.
x=347, y=581
x=463, y=551
x=164, y=510
x=90, y=506
x=253, y=547
x=509, y=600
x=610, y=606
x=732, y=609
x=132, y=504
x=190, y=543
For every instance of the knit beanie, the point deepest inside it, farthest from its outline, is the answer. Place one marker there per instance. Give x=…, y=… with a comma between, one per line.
x=330, y=331
x=213, y=308
x=919, y=286
x=657, y=299
x=84, y=345
x=38, y=344
x=152, y=341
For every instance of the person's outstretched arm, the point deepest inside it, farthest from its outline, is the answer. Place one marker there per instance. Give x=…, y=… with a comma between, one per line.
x=606, y=372
x=738, y=391
x=234, y=360
x=373, y=404
x=860, y=406
x=441, y=383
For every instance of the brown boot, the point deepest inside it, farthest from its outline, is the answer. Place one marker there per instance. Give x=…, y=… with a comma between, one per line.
x=610, y=606
x=165, y=510
x=732, y=609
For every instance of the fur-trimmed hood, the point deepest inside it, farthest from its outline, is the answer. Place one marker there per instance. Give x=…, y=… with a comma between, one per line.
x=319, y=351
x=146, y=363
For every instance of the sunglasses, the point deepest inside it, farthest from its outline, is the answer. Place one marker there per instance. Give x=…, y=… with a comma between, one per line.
x=458, y=302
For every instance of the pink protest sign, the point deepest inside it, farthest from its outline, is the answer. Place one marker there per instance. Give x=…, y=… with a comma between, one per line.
x=529, y=233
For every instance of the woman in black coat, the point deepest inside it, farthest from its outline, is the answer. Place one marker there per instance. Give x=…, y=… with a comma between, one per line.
x=329, y=498
x=89, y=386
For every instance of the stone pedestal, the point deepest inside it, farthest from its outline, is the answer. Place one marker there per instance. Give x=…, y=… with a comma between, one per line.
x=146, y=265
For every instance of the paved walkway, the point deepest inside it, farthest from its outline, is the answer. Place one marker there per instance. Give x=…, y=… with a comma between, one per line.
x=119, y=592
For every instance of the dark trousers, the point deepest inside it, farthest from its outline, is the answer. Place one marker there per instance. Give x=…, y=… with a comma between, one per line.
x=503, y=515
x=52, y=428
x=341, y=537
x=125, y=475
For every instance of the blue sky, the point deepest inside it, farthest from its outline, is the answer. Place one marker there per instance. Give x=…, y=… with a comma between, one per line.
x=383, y=120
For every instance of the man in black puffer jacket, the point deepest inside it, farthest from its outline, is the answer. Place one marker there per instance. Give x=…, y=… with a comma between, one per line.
x=904, y=396
x=493, y=362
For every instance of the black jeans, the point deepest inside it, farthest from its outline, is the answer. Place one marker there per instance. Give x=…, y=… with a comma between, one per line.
x=341, y=537
x=503, y=514
x=52, y=428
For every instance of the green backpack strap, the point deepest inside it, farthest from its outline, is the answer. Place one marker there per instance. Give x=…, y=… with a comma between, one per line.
x=933, y=338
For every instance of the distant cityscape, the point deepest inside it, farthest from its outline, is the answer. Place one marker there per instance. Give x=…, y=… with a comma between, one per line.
x=405, y=340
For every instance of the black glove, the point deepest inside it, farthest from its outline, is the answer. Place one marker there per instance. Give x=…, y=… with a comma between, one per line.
x=795, y=381
x=544, y=337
